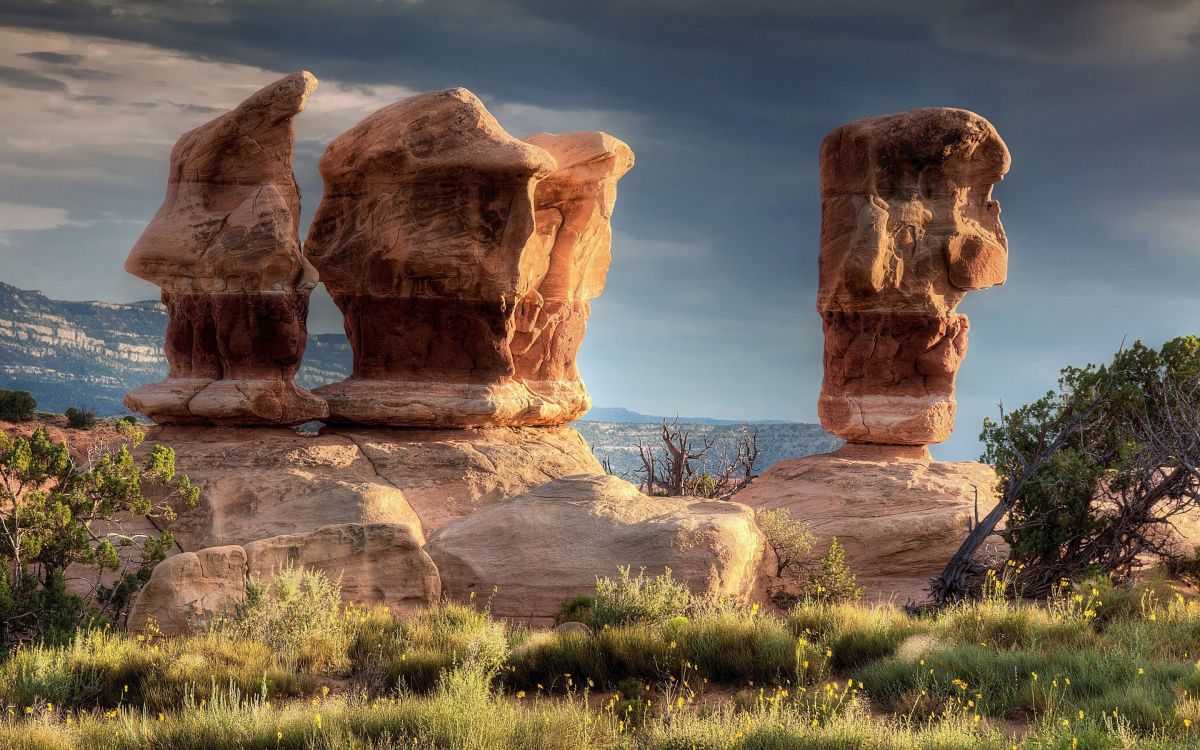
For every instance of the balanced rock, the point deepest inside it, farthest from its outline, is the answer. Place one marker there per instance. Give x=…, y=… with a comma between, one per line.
x=260, y=483
x=186, y=591
x=225, y=249
x=908, y=227
x=427, y=242
x=378, y=563
x=574, y=206
x=899, y=514
x=537, y=550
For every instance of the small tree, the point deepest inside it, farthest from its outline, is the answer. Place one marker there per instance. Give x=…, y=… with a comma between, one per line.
x=17, y=406
x=789, y=539
x=56, y=513
x=834, y=581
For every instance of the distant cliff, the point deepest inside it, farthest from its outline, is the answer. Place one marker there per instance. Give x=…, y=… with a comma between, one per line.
x=90, y=353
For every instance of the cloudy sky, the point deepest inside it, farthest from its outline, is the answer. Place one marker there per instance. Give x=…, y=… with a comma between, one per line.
x=709, y=306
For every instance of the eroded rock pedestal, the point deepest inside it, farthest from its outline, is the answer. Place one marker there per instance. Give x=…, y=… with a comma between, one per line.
x=574, y=207
x=425, y=240
x=908, y=227
x=225, y=250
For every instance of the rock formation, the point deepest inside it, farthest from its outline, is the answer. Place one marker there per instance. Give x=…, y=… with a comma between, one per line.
x=541, y=548
x=376, y=564
x=908, y=227
x=574, y=207
x=186, y=591
x=899, y=515
x=259, y=483
x=426, y=240
x=224, y=247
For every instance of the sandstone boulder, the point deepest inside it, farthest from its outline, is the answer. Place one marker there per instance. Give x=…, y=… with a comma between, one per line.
x=378, y=563
x=426, y=240
x=539, y=549
x=900, y=514
x=225, y=249
x=908, y=227
x=260, y=483
x=186, y=591
x=574, y=206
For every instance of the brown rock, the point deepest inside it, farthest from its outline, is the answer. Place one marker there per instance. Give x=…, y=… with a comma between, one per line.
x=378, y=563
x=574, y=208
x=539, y=549
x=225, y=249
x=186, y=591
x=426, y=240
x=260, y=483
x=900, y=514
x=908, y=227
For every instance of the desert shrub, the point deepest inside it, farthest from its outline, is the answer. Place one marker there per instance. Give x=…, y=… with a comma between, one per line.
x=735, y=647
x=414, y=653
x=298, y=615
x=833, y=580
x=80, y=418
x=790, y=540
x=56, y=513
x=638, y=599
x=17, y=406
x=576, y=609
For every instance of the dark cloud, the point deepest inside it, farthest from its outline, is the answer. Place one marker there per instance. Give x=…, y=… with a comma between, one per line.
x=54, y=58
x=29, y=80
x=85, y=74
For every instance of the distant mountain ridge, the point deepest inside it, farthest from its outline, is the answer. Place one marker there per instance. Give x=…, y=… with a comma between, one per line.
x=621, y=415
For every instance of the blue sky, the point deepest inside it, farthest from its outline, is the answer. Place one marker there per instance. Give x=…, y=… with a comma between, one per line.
x=709, y=308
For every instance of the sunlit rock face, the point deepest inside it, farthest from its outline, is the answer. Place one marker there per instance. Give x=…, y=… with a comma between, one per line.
x=426, y=240
x=573, y=211
x=224, y=247
x=908, y=227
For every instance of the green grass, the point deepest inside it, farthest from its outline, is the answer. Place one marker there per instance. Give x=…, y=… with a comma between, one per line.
x=1064, y=674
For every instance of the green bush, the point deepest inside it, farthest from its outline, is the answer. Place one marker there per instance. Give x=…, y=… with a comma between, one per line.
x=17, y=406
x=298, y=615
x=80, y=419
x=638, y=599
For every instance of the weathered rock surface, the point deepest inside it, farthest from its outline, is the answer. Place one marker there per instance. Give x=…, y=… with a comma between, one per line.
x=426, y=240
x=260, y=483
x=574, y=206
x=908, y=227
x=186, y=591
x=539, y=549
x=900, y=514
x=225, y=249
x=378, y=563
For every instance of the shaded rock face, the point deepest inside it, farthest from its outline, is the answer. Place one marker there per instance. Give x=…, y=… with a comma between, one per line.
x=424, y=238
x=224, y=247
x=899, y=514
x=574, y=206
x=380, y=563
x=186, y=591
x=908, y=227
x=541, y=548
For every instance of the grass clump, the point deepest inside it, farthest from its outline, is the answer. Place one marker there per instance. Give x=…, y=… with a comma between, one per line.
x=628, y=599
